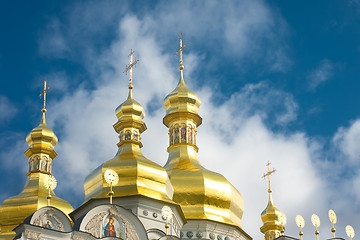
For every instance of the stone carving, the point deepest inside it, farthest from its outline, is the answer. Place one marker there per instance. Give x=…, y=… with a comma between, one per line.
x=93, y=226
x=32, y=235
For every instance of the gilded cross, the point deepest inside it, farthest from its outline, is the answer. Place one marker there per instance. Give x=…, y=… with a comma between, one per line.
x=44, y=92
x=131, y=65
x=180, y=51
x=268, y=174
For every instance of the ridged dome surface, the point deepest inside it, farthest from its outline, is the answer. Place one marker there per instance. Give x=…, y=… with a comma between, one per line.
x=203, y=194
x=41, y=140
x=182, y=100
x=137, y=174
x=271, y=218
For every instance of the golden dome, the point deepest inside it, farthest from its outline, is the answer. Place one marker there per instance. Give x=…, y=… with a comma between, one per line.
x=130, y=108
x=137, y=174
x=41, y=139
x=14, y=210
x=181, y=100
x=202, y=194
x=271, y=218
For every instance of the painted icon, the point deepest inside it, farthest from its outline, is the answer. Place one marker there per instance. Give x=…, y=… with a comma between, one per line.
x=47, y=225
x=171, y=136
x=189, y=135
x=36, y=163
x=176, y=133
x=109, y=230
x=183, y=133
x=127, y=135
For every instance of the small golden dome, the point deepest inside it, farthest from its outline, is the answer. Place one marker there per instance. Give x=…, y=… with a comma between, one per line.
x=271, y=218
x=130, y=108
x=41, y=140
x=181, y=100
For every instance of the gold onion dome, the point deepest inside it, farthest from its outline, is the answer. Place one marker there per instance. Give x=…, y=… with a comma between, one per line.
x=40, y=153
x=182, y=100
x=41, y=139
x=202, y=194
x=271, y=218
x=137, y=174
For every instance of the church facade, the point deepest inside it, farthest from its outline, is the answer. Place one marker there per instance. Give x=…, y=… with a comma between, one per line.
x=181, y=200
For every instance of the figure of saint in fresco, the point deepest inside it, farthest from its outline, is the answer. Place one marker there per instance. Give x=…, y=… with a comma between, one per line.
x=43, y=164
x=49, y=167
x=109, y=230
x=47, y=225
x=36, y=163
x=136, y=136
x=127, y=135
x=176, y=133
x=189, y=135
x=183, y=134
x=171, y=137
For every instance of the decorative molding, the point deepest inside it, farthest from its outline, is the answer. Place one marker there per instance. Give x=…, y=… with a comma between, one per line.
x=32, y=235
x=93, y=226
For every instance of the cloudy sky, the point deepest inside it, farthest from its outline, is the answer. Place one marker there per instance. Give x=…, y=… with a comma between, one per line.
x=278, y=81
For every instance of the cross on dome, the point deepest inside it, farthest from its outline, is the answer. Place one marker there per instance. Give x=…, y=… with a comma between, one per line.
x=268, y=174
x=130, y=67
x=181, y=67
x=44, y=94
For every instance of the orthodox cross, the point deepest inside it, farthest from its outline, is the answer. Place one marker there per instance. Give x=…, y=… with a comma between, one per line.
x=44, y=92
x=180, y=51
x=268, y=174
x=131, y=65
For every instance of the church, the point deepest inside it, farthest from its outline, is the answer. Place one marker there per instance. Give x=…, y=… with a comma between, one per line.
x=129, y=196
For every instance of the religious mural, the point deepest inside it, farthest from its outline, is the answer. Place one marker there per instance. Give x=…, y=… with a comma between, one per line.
x=36, y=163
x=113, y=228
x=176, y=134
x=189, y=135
x=44, y=163
x=127, y=135
x=183, y=133
x=47, y=225
x=136, y=135
x=171, y=137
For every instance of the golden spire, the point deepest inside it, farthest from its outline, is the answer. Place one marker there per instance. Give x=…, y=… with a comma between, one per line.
x=272, y=218
x=181, y=67
x=267, y=175
x=130, y=67
x=44, y=94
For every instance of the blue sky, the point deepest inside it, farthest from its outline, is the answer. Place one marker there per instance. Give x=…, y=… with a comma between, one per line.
x=278, y=81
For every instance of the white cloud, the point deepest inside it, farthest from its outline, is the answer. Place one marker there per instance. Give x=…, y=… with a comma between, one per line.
x=321, y=74
x=347, y=139
x=53, y=44
x=7, y=110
